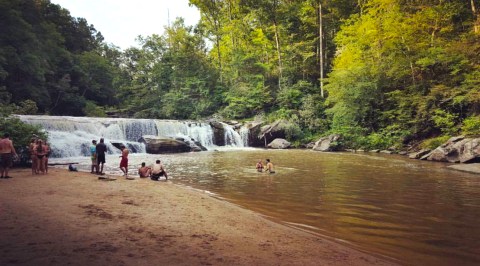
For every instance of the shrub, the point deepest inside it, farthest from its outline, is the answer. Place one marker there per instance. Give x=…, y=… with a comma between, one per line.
x=471, y=126
x=21, y=134
x=433, y=143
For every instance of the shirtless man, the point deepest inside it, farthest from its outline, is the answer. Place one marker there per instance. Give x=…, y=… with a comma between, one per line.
x=124, y=160
x=7, y=154
x=269, y=167
x=158, y=170
x=144, y=171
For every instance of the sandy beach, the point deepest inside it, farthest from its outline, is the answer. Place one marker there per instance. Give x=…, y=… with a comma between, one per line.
x=73, y=218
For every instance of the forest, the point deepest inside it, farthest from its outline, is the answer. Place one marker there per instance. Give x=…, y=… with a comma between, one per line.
x=382, y=73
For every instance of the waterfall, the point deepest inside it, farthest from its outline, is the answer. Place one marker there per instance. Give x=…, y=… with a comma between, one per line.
x=232, y=138
x=244, y=132
x=72, y=136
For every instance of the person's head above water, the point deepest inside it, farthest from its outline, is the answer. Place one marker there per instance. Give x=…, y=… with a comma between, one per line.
x=268, y=160
x=158, y=161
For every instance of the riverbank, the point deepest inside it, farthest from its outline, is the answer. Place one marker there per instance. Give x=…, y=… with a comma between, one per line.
x=72, y=218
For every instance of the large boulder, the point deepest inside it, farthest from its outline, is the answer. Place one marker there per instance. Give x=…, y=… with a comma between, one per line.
x=456, y=150
x=254, y=129
x=218, y=133
x=327, y=143
x=279, y=144
x=273, y=131
x=159, y=144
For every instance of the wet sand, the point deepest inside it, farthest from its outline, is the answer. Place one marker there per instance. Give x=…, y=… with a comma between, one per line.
x=72, y=218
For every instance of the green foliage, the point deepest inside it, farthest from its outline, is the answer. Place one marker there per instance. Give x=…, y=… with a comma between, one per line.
x=93, y=110
x=433, y=143
x=471, y=126
x=20, y=134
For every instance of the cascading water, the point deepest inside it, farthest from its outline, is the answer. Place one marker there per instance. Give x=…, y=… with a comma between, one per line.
x=244, y=132
x=72, y=136
x=232, y=138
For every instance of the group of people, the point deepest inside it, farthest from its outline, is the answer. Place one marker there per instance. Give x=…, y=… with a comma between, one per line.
x=97, y=156
x=7, y=155
x=154, y=172
x=268, y=166
x=39, y=154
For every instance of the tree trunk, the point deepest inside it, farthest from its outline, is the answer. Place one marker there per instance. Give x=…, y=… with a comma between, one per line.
x=277, y=41
x=476, y=24
x=320, y=37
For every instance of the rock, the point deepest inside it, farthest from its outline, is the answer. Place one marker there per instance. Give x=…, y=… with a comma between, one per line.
x=387, y=152
x=254, y=129
x=158, y=144
x=419, y=154
x=218, y=133
x=310, y=145
x=456, y=150
x=274, y=131
x=470, y=168
x=327, y=143
x=374, y=151
x=279, y=144
x=402, y=153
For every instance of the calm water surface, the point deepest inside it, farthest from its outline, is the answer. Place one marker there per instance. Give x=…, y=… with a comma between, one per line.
x=416, y=212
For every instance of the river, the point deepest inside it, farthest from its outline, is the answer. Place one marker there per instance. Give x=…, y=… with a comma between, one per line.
x=412, y=211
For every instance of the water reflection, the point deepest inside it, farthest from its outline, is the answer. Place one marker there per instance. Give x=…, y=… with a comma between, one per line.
x=418, y=212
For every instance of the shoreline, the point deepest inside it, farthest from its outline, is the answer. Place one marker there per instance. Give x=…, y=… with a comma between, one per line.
x=74, y=218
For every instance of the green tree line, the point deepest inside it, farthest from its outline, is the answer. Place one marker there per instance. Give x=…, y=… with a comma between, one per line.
x=380, y=72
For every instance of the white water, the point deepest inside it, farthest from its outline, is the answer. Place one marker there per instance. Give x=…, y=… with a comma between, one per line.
x=72, y=136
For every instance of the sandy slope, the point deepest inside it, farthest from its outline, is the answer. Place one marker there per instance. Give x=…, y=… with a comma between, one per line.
x=72, y=218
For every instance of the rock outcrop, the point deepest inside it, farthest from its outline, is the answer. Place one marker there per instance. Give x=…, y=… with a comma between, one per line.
x=456, y=150
x=273, y=131
x=218, y=133
x=279, y=144
x=327, y=143
x=158, y=144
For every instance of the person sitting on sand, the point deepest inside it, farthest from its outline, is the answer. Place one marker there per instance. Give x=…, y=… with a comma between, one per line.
x=269, y=167
x=157, y=171
x=144, y=171
x=259, y=166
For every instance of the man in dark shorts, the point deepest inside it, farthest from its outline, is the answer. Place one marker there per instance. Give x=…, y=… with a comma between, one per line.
x=100, y=149
x=7, y=154
x=157, y=171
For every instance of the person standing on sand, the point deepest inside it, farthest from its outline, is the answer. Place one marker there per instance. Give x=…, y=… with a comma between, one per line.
x=124, y=160
x=93, y=157
x=157, y=171
x=7, y=154
x=144, y=171
x=47, y=155
x=259, y=166
x=100, y=150
x=33, y=157
x=269, y=167
x=40, y=152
